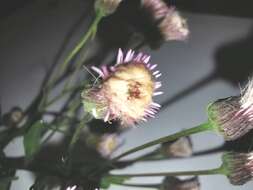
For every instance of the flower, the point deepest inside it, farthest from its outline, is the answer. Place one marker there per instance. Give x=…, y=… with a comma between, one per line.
x=173, y=26
x=157, y=9
x=233, y=116
x=174, y=183
x=108, y=144
x=170, y=23
x=179, y=148
x=126, y=90
x=239, y=167
x=107, y=7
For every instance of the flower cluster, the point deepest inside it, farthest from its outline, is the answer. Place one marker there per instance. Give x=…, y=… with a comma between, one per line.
x=126, y=90
x=233, y=116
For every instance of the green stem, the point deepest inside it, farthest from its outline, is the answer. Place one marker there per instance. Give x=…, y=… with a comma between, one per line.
x=82, y=42
x=78, y=131
x=200, y=128
x=156, y=186
x=76, y=135
x=216, y=171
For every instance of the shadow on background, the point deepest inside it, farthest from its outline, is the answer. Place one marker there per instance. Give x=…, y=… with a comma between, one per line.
x=233, y=63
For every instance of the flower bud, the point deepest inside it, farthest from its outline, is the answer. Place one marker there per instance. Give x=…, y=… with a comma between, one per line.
x=107, y=7
x=239, y=167
x=174, y=183
x=179, y=148
x=126, y=90
x=233, y=116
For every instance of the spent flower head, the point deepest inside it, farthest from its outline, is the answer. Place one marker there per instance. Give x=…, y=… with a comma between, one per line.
x=107, y=7
x=233, y=116
x=170, y=23
x=239, y=167
x=174, y=26
x=126, y=90
x=174, y=183
x=157, y=9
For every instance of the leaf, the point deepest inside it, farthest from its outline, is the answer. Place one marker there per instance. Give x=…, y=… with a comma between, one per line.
x=32, y=139
x=108, y=180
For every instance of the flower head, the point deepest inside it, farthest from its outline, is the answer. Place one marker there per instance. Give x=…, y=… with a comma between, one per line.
x=233, y=116
x=157, y=9
x=179, y=148
x=107, y=6
x=108, y=144
x=170, y=23
x=174, y=26
x=174, y=183
x=239, y=167
x=126, y=90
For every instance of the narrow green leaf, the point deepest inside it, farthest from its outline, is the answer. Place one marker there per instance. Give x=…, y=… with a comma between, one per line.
x=32, y=139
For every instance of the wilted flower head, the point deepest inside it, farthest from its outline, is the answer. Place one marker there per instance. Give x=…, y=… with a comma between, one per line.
x=171, y=24
x=107, y=6
x=179, y=148
x=174, y=183
x=174, y=26
x=107, y=144
x=239, y=167
x=157, y=9
x=233, y=116
x=126, y=90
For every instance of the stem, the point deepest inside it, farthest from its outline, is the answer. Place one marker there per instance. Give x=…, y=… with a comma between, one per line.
x=215, y=171
x=200, y=128
x=82, y=42
x=78, y=130
x=156, y=186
